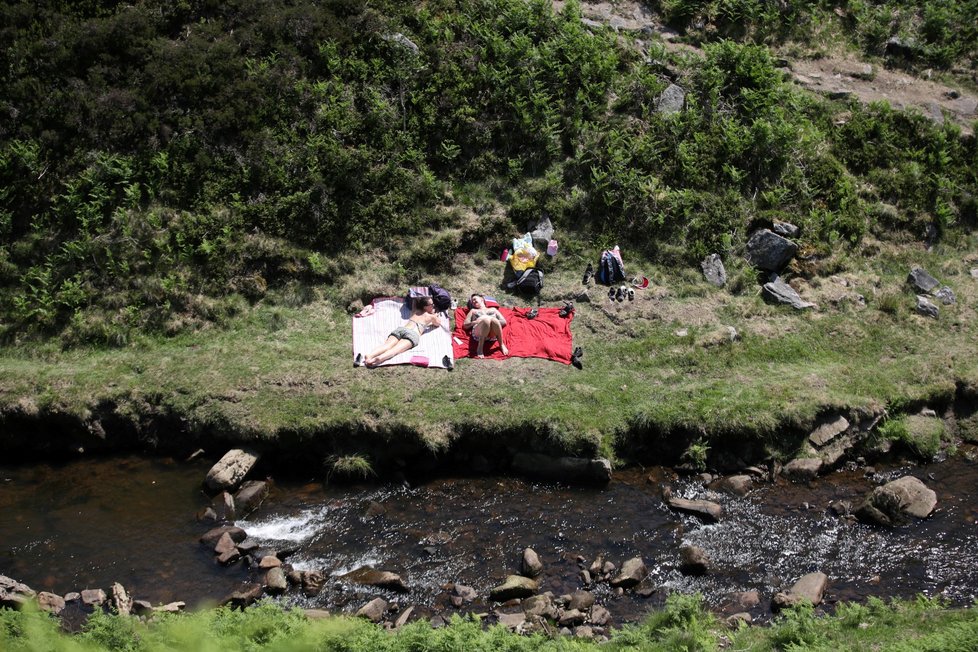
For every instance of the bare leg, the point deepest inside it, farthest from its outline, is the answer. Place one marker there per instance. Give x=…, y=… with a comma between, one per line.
x=497, y=331
x=480, y=331
x=400, y=347
x=371, y=358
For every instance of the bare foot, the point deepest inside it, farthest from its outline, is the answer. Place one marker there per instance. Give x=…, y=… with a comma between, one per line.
x=478, y=352
x=502, y=347
x=479, y=355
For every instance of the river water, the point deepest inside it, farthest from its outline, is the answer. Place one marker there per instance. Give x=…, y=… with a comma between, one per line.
x=93, y=522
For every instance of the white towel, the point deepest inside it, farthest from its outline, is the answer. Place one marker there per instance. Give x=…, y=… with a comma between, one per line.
x=370, y=331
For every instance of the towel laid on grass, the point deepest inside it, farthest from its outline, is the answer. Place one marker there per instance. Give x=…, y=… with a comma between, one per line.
x=546, y=336
x=371, y=330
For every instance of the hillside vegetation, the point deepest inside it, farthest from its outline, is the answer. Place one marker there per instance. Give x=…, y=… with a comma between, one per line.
x=195, y=196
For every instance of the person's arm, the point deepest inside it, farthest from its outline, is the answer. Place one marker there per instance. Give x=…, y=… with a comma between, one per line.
x=469, y=318
x=499, y=317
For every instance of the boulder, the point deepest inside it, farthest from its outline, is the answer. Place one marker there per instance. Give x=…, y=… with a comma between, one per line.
x=921, y=281
x=710, y=512
x=311, y=582
x=744, y=600
x=600, y=616
x=581, y=600
x=93, y=597
x=530, y=565
x=714, y=271
x=515, y=586
x=404, y=42
x=571, y=617
x=769, y=251
x=540, y=605
x=317, y=614
x=250, y=496
x=802, y=469
x=230, y=469
x=141, y=607
x=567, y=469
x=246, y=595
x=211, y=537
x=374, y=610
x=738, y=485
x=946, y=296
x=121, y=600
x=898, y=501
x=275, y=581
x=225, y=544
x=810, y=588
x=50, y=602
x=403, y=618
x=737, y=620
x=672, y=100
x=632, y=572
x=381, y=579
x=223, y=506
x=269, y=561
x=693, y=560
x=466, y=593
x=541, y=232
x=926, y=307
x=14, y=594
x=828, y=429
x=779, y=292
x=172, y=607
x=785, y=229
x=512, y=622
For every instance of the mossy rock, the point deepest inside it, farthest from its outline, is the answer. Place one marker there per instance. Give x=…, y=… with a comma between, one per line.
x=924, y=434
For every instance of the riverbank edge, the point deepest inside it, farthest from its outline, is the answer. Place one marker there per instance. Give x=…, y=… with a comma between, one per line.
x=108, y=427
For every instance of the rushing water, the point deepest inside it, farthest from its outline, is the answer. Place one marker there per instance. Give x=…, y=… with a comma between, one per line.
x=132, y=520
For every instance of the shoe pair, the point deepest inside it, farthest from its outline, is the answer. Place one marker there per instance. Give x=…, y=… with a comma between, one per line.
x=576, y=358
x=620, y=294
x=567, y=310
x=588, y=273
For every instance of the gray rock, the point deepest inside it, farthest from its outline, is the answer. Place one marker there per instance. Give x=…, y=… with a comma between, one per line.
x=581, y=600
x=769, y=251
x=570, y=617
x=141, y=607
x=540, y=605
x=693, y=560
x=899, y=47
x=921, y=281
x=121, y=600
x=72, y=596
x=541, y=232
x=403, y=41
x=374, y=610
x=672, y=100
x=50, y=602
x=583, y=631
x=946, y=296
x=174, y=607
x=512, y=622
x=737, y=620
x=828, y=429
x=381, y=579
x=515, y=586
x=275, y=581
x=745, y=600
x=223, y=506
x=926, y=307
x=531, y=566
x=312, y=582
x=317, y=614
x=898, y=501
x=802, y=469
x=632, y=572
x=14, y=594
x=974, y=273
x=810, y=588
x=738, y=485
x=780, y=292
x=93, y=597
x=230, y=469
x=786, y=229
x=568, y=469
x=466, y=593
x=714, y=270
x=600, y=616
x=403, y=618
x=705, y=509
x=250, y=496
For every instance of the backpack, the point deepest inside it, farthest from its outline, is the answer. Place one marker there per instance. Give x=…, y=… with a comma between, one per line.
x=611, y=269
x=528, y=282
x=440, y=297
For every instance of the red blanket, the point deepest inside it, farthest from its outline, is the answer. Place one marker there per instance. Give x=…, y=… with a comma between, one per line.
x=546, y=336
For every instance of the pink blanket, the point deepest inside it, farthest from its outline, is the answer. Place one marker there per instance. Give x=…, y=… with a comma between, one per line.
x=546, y=336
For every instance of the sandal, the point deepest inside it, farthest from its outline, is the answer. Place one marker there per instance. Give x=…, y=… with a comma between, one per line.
x=567, y=310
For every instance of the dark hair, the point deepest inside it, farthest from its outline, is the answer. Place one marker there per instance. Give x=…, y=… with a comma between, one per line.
x=473, y=295
x=421, y=302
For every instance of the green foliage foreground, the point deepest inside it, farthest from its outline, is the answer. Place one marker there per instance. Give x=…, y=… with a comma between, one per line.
x=922, y=625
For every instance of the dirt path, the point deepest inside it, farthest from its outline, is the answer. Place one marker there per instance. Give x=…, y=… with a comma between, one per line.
x=834, y=76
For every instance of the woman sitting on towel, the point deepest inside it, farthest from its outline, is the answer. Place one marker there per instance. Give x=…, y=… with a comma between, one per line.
x=485, y=324
x=406, y=337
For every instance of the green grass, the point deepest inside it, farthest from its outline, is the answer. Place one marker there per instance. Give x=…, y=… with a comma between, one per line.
x=284, y=373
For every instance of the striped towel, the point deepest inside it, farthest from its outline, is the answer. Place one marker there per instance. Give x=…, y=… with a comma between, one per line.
x=370, y=331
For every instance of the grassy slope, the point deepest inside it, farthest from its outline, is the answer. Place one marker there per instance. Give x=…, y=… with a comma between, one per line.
x=281, y=370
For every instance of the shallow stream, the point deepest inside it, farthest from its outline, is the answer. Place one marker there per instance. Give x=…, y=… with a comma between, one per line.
x=90, y=523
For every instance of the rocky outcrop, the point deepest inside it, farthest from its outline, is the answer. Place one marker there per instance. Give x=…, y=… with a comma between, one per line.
x=230, y=470
x=897, y=502
x=769, y=251
x=13, y=594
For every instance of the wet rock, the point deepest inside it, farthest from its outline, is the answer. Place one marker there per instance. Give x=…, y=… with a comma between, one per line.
x=781, y=293
x=72, y=596
x=802, y=469
x=785, y=229
x=568, y=469
x=581, y=600
x=466, y=593
x=311, y=582
x=693, y=560
x=14, y=594
x=207, y=515
x=373, y=610
x=381, y=579
x=211, y=537
x=926, y=307
x=513, y=622
x=275, y=581
x=608, y=567
x=672, y=100
x=531, y=566
x=93, y=597
x=121, y=600
x=738, y=485
x=173, y=607
x=597, y=565
x=540, y=605
x=600, y=616
x=585, y=577
x=583, y=631
x=898, y=501
x=810, y=588
x=769, y=251
x=403, y=618
x=244, y=596
x=269, y=561
x=946, y=296
x=921, y=281
x=709, y=511
x=141, y=607
x=828, y=429
x=714, y=270
x=50, y=602
x=737, y=620
x=570, y=618
x=632, y=572
x=374, y=509
x=515, y=586
x=250, y=496
x=225, y=545
x=745, y=600
x=230, y=470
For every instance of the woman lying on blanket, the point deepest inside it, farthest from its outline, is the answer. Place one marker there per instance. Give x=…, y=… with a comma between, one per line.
x=485, y=324
x=406, y=337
